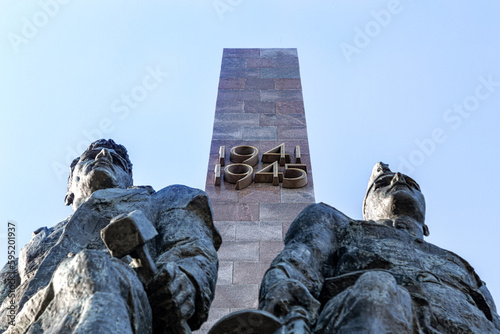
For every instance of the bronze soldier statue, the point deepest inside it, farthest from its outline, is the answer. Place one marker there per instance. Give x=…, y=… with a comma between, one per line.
x=377, y=275
x=340, y=275
x=67, y=281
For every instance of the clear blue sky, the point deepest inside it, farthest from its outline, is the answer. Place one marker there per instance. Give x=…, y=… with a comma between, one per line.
x=415, y=84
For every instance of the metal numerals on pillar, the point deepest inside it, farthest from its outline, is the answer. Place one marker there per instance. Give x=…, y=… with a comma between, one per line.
x=244, y=158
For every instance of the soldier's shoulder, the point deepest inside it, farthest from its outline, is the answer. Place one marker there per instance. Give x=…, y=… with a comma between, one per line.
x=323, y=211
x=320, y=214
x=179, y=194
x=193, y=200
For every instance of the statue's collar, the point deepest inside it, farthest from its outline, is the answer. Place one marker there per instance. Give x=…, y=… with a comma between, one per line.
x=404, y=223
x=116, y=193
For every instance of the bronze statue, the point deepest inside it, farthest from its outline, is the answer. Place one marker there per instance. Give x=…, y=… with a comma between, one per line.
x=68, y=281
x=378, y=275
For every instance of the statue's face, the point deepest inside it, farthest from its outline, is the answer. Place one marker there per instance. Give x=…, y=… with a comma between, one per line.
x=395, y=195
x=99, y=168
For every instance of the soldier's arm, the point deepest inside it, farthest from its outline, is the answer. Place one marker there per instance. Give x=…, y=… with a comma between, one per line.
x=296, y=274
x=187, y=243
x=491, y=304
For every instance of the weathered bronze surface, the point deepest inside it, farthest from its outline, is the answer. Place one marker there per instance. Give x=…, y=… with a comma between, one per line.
x=69, y=282
x=376, y=275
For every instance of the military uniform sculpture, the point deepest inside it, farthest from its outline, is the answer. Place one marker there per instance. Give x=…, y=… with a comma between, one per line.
x=68, y=281
x=378, y=275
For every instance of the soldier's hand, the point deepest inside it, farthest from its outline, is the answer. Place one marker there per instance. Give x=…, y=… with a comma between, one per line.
x=285, y=295
x=172, y=295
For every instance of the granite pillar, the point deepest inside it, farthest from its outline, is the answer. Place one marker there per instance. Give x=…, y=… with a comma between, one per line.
x=259, y=104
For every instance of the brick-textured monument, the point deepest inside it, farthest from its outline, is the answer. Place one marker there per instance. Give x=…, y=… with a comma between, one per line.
x=259, y=104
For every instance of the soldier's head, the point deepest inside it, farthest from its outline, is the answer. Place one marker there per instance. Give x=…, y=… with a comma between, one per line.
x=393, y=195
x=104, y=164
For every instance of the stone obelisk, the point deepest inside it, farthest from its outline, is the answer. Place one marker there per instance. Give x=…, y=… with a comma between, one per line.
x=260, y=142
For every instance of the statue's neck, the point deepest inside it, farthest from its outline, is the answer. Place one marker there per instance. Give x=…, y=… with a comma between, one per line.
x=82, y=198
x=406, y=223
x=77, y=201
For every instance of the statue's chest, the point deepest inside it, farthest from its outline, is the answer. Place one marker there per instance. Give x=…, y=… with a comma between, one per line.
x=88, y=221
x=109, y=203
x=370, y=246
x=82, y=230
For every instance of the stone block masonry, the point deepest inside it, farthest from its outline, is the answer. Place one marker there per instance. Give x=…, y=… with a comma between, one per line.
x=259, y=104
